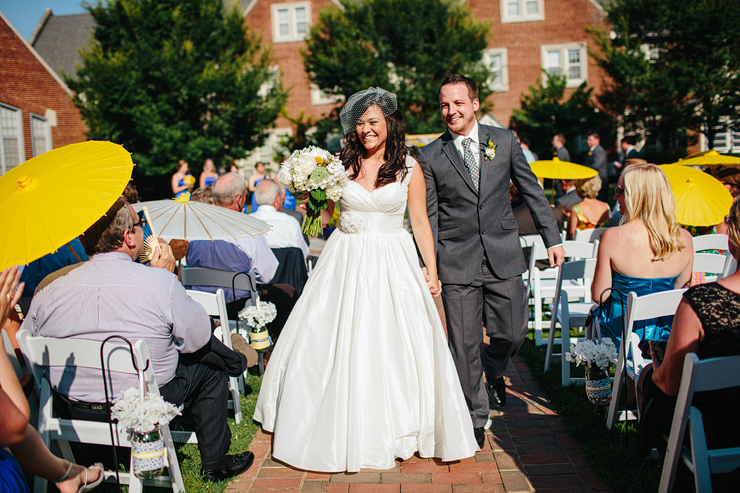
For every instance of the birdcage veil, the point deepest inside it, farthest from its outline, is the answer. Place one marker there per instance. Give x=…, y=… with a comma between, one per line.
x=359, y=102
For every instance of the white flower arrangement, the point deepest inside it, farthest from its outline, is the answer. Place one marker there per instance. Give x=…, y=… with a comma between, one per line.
x=259, y=315
x=134, y=416
x=588, y=353
x=489, y=149
x=317, y=171
x=350, y=223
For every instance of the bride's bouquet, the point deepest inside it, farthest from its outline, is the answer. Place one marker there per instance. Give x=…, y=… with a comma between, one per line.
x=319, y=173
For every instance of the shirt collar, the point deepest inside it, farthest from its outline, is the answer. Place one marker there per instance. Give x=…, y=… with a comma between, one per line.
x=267, y=208
x=112, y=256
x=473, y=135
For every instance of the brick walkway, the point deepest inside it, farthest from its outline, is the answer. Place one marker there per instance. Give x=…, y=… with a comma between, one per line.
x=527, y=449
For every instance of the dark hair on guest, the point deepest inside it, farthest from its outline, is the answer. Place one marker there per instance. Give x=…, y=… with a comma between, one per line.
x=106, y=235
x=396, y=151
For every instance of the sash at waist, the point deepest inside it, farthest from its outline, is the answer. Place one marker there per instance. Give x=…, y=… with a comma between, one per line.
x=370, y=223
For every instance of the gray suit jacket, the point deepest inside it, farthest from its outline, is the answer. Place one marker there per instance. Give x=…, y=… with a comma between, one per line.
x=466, y=224
x=563, y=154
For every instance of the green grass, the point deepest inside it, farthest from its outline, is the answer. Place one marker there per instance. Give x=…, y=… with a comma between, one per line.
x=610, y=453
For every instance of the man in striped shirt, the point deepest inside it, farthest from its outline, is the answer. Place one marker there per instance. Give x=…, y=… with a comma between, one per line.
x=111, y=294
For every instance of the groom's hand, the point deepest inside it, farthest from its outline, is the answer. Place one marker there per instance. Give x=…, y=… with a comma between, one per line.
x=556, y=255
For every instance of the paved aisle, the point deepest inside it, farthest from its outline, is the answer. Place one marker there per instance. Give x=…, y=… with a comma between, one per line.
x=527, y=449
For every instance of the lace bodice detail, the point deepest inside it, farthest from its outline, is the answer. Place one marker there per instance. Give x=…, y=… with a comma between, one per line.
x=718, y=309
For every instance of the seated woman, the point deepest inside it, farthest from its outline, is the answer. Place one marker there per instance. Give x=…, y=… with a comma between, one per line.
x=707, y=323
x=647, y=253
x=590, y=212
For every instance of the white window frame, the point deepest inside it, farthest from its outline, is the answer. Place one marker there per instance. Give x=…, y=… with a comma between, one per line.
x=4, y=167
x=731, y=140
x=523, y=16
x=292, y=35
x=503, y=86
x=320, y=97
x=564, y=64
x=45, y=134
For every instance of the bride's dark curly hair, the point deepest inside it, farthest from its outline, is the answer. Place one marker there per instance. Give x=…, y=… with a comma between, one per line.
x=394, y=167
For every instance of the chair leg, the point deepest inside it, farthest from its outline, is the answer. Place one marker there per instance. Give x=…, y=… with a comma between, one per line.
x=611, y=417
x=234, y=387
x=699, y=453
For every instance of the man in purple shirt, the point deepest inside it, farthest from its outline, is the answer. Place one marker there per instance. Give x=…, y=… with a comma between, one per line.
x=111, y=294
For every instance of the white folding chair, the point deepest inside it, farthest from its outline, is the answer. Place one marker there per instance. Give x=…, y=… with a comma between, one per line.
x=542, y=284
x=699, y=376
x=638, y=308
x=215, y=306
x=244, y=281
x=12, y=356
x=45, y=352
x=589, y=235
x=568, y=314
x=713, y=265
x=710, y=242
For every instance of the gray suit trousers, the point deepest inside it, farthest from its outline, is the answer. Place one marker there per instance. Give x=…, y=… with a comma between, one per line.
x=499, y=305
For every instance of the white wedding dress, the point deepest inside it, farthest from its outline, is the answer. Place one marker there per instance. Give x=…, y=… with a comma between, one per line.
x=361, y=373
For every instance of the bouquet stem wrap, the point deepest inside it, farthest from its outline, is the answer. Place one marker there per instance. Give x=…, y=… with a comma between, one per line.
x=318, y=173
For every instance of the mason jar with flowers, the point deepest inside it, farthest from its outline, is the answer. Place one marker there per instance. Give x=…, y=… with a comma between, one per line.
x=142, y=416
x=595, y=356
x=257, y=316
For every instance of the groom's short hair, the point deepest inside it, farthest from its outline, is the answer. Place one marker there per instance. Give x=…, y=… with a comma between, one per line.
x=461, y=79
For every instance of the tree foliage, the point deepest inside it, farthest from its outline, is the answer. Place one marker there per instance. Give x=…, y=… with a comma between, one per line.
x=405, y=46
x=546, y=112
x=672, y=66
x=175, y=79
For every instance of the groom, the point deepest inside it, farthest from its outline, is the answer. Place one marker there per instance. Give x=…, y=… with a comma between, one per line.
x=480, y=262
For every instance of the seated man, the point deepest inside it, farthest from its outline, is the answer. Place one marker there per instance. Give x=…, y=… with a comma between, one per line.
x=242, y=255
x=113, y=295
x=286, y=232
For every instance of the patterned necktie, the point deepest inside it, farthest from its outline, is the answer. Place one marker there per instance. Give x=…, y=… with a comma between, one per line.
x=470, y=162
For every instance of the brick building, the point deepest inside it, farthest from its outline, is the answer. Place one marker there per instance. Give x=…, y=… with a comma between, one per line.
x=36, y=106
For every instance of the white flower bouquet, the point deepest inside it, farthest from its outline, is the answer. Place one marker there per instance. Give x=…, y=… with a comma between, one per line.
x=588, y=353
x=257, y=316
x=144, y=417
x=317, y=172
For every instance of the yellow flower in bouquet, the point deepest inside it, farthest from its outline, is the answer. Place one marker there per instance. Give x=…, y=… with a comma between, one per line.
x=189, y=180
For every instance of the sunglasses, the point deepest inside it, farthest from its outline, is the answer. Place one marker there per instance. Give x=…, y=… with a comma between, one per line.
x=142, y=223
x=618, y=191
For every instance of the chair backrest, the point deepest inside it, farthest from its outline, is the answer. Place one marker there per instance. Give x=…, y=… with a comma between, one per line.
x=713, y=265
x=291, y=268
x=589, y=235
x=578, y=249
x=201, y=276
x=12, y=356
x=699, y=376
x=710, y=242
x=213, y=303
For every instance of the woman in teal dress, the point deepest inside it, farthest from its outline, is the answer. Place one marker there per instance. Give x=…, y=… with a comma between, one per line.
x=647, y=253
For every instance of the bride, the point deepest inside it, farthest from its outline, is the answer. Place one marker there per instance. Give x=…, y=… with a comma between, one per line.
x=362, y=374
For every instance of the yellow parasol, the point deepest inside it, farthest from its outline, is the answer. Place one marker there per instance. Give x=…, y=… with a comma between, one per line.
x=53, y=198
x=562, y=170
x=709, y=158
x=701, y=199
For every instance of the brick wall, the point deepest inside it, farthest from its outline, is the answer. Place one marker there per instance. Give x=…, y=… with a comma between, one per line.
x=565, y=22
x=27, y=85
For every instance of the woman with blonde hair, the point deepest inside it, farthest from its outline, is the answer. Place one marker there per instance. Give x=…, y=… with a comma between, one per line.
x=591, y=212
x=647, y=253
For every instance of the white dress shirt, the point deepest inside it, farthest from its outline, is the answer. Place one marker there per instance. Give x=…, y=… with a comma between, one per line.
x=286, y=232
x=474, y=146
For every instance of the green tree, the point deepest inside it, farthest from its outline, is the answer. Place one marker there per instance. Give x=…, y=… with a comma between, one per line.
x=405, y=46
x=546, y=112
x=672, y=67
x=175, y=79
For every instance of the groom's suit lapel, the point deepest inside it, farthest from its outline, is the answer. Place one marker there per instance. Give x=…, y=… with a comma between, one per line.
x=448, y=146
x=484, y=165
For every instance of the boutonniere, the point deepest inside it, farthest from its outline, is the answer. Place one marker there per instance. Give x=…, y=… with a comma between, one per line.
x=590, y=152
x=489, y=149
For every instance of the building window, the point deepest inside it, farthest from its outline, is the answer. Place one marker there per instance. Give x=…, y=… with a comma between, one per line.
x=522, y=10
x=11, y=144
x=568, y=60
x=319, y=97
x=290, y=21
x=272, y=81
x=496, y=61
x=727, y=141
x=40, y=135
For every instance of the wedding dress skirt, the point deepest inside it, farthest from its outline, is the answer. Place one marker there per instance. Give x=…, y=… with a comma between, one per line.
x=361, y=373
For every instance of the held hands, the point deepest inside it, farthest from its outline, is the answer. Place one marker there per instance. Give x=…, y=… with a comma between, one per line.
x=9, y=295
x=556, y=256
x=163, y=257
x=435, y=285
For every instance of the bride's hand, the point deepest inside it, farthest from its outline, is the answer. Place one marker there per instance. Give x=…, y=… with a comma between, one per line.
x=435, y=287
